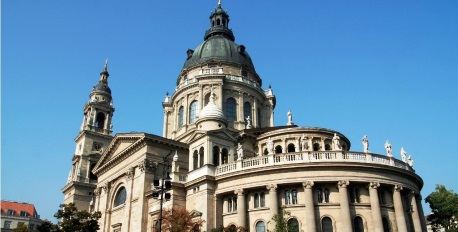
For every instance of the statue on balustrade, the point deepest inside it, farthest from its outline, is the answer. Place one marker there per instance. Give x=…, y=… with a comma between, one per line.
x=410, y=161
x=336, y=143
x=403, y=155
x=389, y=149
x=239, y=151
x=270, y=146
x=290, y=118
x=365, y=142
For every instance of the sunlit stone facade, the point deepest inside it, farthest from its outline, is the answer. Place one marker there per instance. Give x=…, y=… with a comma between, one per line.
x=230, y=164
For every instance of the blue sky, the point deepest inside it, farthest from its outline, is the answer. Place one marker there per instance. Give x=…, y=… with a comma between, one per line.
x=388, y=69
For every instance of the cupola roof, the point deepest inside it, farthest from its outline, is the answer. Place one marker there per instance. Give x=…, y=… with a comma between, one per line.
x=211, y=110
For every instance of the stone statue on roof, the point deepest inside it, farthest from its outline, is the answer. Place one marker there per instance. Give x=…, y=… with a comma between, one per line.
x=365, y=142
x=389, y=149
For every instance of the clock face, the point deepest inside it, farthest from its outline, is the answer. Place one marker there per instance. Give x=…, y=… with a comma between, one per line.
x=96, y=146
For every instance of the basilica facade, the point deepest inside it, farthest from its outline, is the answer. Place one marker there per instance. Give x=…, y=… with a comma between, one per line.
x=229, y=164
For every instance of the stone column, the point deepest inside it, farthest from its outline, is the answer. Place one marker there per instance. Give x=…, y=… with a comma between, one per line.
x=128, y=204
x=415, y=212
x=240, y=115
x=218, y=211
x=377, y=223
x=420, y=211
x=273, y=202
x=310, y=220
x=344, y=206
x=164, y=126
x=399, y=209
x=241, y=208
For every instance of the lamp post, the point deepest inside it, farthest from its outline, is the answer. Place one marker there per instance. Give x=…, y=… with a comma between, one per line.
x=162, y=188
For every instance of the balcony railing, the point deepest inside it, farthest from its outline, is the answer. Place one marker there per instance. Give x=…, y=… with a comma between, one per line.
x=310, y=157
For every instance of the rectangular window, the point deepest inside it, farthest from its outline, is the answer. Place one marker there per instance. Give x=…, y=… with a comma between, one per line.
x=10, y=212
x=23, y=214
x=291, y=197
x=7, y=225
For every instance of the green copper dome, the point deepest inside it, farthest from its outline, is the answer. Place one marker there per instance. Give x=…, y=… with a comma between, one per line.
x=219, y=45
x=218, y=48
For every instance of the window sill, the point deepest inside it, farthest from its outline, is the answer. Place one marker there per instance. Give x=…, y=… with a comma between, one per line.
x=230, y=213
x=293, y=206
x=119, y=207
x=258, y=209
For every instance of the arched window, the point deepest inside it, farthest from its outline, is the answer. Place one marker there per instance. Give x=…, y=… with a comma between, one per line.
x=230, y=109
x=201, y=157
x=291, y=148
x=218, y=22
x=247, y=111
x=266, y=152
x=120, y=197
x=278, y=149
x=216, y=155
x=100, y=120
x=327, y=147
x=180, y=117
x=386, y=225
x=293, y=225
x=358, y=224
x=326, y=224
x=316, y=147
x=260, y=226
x=195, y=160
x=193, y=111
x=224, y=156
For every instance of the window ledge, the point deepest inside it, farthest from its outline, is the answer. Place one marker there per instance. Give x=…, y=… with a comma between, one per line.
x=119, y=207
x=293, y=206
x=230, y=213
x=258, y=209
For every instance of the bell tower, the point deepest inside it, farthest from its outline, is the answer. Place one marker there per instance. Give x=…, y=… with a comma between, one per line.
x=93, y=137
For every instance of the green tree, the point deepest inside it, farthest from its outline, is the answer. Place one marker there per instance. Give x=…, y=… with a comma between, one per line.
x=47, y=226
x=72, y=220
x=180, y=220
x=21, y=227
x=281, y=222
x=444, y=206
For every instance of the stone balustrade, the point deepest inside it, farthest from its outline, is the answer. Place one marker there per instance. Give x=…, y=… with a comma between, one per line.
x=310, y=157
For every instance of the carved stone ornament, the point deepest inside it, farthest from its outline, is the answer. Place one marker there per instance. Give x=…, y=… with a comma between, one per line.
x=130, y=173
x=272, y=187
x=343, y=183
x=97, y=191
x=106, y=187
x=374, y=185
x=308, y=184
x=398, y=188
x=146, y=166
x=238, y=191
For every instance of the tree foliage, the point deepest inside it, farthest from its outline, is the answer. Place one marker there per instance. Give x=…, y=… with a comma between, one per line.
x=72, y=220
x=21, y=228
x=280, y=221
x=180, y=220
x=444, y=206
x=47, y=226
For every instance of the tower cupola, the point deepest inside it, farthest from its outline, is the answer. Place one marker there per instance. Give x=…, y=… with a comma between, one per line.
x=219, y=24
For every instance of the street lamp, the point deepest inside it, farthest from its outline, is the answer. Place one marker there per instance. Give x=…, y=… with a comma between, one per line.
x=161, y=187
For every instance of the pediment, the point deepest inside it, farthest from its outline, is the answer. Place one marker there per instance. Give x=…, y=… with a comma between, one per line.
x=221, y=134
x=119, y=144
